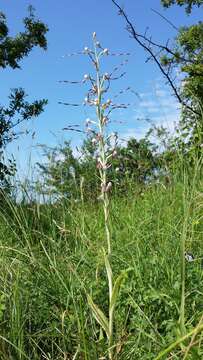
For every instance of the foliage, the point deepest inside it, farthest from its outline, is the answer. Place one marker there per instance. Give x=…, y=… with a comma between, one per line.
x=137, y=162
x=187, y=58
x=47, y=261
x=12, y=51
x=188, y=3
x=61, y=174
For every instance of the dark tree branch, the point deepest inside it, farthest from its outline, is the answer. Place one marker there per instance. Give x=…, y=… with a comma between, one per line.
x=149, y=49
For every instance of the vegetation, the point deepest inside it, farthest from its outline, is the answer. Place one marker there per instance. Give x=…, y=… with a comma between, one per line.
x=51, y=256
x=18, y=110
x=110, y=264
x=188, y=3
x=185, y=57
x=137, y=162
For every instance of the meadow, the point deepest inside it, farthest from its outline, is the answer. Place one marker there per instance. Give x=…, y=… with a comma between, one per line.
x=51, y=258
x=101, y=255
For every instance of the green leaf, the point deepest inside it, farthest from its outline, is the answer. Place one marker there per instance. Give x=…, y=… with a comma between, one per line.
x=116, y=288
x=99, y=315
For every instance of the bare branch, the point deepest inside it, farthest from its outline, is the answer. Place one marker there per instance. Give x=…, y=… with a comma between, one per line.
x=163, y=17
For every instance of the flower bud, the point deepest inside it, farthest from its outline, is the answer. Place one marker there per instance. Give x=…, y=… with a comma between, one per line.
x=86, y=77
x=104, y=120
x=108, y=186
x=94, y=141
x=86, y=50
x=94, y=35
x=105, y=51
x=88, y=121
x=106, y=76
x=114, y=153
x=95, y=101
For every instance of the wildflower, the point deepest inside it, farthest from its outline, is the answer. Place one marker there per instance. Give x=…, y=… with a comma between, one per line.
x=117, y=169
x=94, y=88
x=106, y=187
x=105, y=51
x=106, y=104
x=109, y=186
x=99, y=163
x=106, y=166
x=95, y=102
x=104, y=120
x=98, y=136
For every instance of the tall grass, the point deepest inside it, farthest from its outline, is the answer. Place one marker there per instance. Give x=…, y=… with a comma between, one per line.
x=51, y=257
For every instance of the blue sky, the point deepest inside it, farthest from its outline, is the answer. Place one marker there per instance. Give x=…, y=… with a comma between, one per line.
x=71, y=24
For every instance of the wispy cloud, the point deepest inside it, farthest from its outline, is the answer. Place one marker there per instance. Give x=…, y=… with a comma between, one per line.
x=158, y=108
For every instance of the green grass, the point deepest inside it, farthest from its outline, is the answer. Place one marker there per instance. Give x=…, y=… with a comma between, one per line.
x=51, y=257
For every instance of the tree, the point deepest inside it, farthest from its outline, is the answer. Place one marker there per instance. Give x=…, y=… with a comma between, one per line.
x=188, y=3
x=138, y=160
x=63, y=173
x=12, y=51
x=186, y=56
x=188, y=59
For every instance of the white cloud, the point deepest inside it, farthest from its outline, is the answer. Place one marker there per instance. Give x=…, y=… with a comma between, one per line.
x=138, y=133
x=158, y=107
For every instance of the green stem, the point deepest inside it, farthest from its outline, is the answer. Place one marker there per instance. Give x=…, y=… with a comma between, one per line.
x=105, y=198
